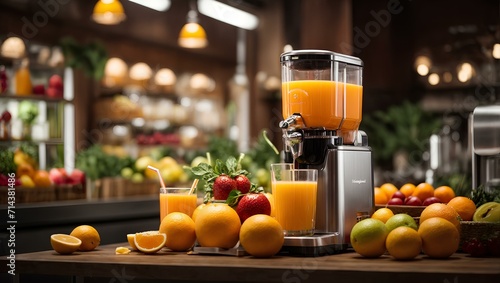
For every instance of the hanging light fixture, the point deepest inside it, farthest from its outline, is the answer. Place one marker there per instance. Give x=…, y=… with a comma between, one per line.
x=192, y=34
x=108, y=12
x=13, y=47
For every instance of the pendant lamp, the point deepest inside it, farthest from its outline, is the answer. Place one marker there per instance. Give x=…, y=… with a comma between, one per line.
x=192, y=34
x=108, y=12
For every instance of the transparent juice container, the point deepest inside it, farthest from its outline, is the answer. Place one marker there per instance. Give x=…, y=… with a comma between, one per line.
x=325, y=88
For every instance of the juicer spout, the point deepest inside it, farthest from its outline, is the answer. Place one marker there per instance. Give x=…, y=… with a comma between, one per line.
x=293, y=134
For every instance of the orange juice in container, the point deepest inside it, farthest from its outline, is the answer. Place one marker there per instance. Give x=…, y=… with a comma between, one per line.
x=325, y=88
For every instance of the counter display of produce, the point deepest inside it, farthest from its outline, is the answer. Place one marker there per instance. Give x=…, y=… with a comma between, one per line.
x=182, y=267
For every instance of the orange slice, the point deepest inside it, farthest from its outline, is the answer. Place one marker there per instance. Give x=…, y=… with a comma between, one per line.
x=64, y=244
x=150, y=242
x=131, y=241
x=122, y=251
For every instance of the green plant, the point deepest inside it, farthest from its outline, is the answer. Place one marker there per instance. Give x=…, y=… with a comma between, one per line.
x=401, y=127
x=91, y=57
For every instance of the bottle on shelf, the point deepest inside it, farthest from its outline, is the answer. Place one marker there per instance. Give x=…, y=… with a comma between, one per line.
x=3, y=79
x=23, y=78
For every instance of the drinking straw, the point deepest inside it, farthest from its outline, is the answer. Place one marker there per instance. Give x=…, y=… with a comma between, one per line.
x=159, y=175
x=195, y=183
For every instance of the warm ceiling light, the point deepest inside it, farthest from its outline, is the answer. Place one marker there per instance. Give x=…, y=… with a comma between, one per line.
x=192, y=34
x=228, y=14
x=13, y=47
x=140, y=71
x=158, y=5
x=115, y=67
x=465, y=71
x=496, y=51
x=165, y=77
x=422, y=65
x=108, y=12
x=115, y=72
x=201, y=82
x=433, y=79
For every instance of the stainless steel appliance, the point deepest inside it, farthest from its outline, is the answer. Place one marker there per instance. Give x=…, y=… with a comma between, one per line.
x=485, y=134
x=322, y=102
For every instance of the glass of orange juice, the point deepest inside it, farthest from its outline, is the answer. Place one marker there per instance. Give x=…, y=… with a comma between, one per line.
x=177, y=200
x=294, y=192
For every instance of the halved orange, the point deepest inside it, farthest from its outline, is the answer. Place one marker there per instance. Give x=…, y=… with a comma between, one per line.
x=131, y=241
x=64, y=244
x=150, y=241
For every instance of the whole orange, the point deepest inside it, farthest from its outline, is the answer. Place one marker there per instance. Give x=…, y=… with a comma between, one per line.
x=423, y=191
x=464, y=206
x=407, y=189
x=389, y=189
x=88, y=235
x=441, y=210
x=261, y=235
x=217, y=225
x=379, y=196
x=41, y=179
x=440, y=238
x=383, y=214
x=444, y=193
x=179, y=228
x=403, y=243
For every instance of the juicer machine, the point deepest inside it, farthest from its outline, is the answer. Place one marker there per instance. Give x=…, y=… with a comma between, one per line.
x=322, y=101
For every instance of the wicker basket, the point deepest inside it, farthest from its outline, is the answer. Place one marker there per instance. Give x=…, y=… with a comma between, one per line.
x=70, y=192
x=413, y=211
x=478, y=230
x=28, y=195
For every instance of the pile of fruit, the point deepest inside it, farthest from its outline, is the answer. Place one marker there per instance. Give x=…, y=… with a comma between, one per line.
x=83, y=238
x=23, y=162
x=171, y=170
x=438, y=233
x=421, y=195
x=212, y=225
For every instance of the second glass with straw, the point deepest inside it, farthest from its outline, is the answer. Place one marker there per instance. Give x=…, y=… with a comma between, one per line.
x=183, y=200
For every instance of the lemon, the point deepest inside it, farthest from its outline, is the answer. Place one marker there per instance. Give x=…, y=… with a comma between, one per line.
x=26, y=181
x=64, y=244
x=368, y=237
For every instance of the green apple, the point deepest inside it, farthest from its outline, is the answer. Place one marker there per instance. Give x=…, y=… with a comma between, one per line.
x=400, y=219
x=127, y=172
x=368, y=237
x=137, y=178
x=488, y=212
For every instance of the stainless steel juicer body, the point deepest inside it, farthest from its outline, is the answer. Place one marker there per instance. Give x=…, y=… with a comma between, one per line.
x=340, y=154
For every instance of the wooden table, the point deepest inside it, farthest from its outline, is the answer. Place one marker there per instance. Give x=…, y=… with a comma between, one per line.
x=346, y=267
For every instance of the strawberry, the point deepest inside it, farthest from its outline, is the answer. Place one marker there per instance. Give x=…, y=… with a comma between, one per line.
x=221, y=180
x=251, y=204
x=243, y=184
x=222, y=186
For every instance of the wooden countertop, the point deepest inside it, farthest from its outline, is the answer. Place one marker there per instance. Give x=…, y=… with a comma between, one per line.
x=346, y=267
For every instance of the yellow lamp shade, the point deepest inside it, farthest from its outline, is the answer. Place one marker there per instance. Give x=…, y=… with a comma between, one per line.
x=108, y=12
x=193, y=35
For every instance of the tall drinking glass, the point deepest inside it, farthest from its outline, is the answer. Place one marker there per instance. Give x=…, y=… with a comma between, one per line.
x=177, y=200
x=295, y=192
